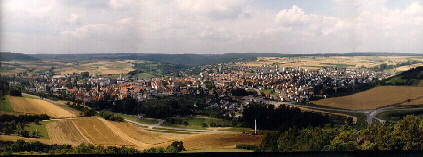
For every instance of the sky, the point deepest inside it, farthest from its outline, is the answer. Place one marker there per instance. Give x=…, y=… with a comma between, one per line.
x=211, y=26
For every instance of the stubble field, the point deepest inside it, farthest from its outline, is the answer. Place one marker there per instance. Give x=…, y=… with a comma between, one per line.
x=375, y=98
x=38, y=106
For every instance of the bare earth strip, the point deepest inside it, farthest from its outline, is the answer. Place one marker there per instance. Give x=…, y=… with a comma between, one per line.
x=38, y=106
x=374, y=98
x=220, y=140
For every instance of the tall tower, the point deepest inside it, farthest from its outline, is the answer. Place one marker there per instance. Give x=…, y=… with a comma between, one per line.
x=255, y=126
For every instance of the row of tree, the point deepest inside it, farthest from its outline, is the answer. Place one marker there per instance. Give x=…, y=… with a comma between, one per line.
x=406, y=135
x=8, y=148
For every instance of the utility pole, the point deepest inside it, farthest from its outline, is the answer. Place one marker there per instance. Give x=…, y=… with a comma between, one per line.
x=255, y=127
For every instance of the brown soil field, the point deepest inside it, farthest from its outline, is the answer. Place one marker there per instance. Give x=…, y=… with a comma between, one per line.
x=220, y=140
x=38, y=106
x=373, y=98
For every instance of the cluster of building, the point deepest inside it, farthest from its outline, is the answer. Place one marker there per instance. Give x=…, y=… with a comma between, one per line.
x=269, y=82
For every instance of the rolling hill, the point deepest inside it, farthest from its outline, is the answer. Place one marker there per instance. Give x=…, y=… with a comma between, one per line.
x=412, y=77
x=7, y=56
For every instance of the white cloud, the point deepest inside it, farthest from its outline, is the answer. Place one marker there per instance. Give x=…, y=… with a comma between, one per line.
x=203, y=26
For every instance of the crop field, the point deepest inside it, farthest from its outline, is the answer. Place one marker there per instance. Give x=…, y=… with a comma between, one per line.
x=61, y=67
x=38, y=106
x=315, y=62
x=374, y=98
x=101, y=132
x=220, y=140
x=99, y=67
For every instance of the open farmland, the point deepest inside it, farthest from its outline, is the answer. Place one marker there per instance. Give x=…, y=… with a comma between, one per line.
x=38, y=106
x=316, y=62
x=374, y=98
x=98, y=131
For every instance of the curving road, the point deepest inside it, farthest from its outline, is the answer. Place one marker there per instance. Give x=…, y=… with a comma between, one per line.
x=370, y=114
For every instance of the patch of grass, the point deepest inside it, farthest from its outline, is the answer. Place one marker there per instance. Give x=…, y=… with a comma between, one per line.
x=338, y=65
x=29, y=96
x=40, y=128
x=5, y=105
x=143, y=121
x=197, y=122
x=217, y=150
x=398, y=115
x=171, y=131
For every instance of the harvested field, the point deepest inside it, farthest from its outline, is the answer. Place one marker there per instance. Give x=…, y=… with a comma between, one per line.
x=97, y=132
x=219, y=140
x=38, y=106
x=374, y=98
x=65, y=132
x=101, y=132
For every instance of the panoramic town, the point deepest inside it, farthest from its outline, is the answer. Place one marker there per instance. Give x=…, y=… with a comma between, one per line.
x=189, y=77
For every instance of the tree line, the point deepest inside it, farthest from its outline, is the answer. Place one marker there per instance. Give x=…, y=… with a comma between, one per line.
x=9, y=147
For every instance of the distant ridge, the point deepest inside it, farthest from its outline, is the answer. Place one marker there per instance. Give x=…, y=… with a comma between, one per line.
x=8, y=56
x=186, y=59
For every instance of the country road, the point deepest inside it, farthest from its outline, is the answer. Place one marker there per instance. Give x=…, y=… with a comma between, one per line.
x=370, y=114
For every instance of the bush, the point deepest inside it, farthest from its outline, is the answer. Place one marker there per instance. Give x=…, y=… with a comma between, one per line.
x=246, y=146
x=111, y=116
x=175, y=147
x=205, y=125
x=212, y=124
x=15, y=92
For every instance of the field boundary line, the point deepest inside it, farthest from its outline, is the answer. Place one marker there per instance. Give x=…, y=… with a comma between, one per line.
x=80, y=132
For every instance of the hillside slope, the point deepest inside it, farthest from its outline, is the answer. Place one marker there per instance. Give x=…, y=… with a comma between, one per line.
x=412, y=77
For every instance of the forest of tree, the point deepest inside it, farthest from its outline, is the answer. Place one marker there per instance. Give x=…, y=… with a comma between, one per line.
x=281, y=118
x=405, y=135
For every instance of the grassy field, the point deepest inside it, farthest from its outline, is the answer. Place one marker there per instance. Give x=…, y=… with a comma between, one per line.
x=398, y=115
x=5, y=105
x=374, y=98
x=197, y=122
x=40, y=128
x=38, y=106
x=134, y=118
